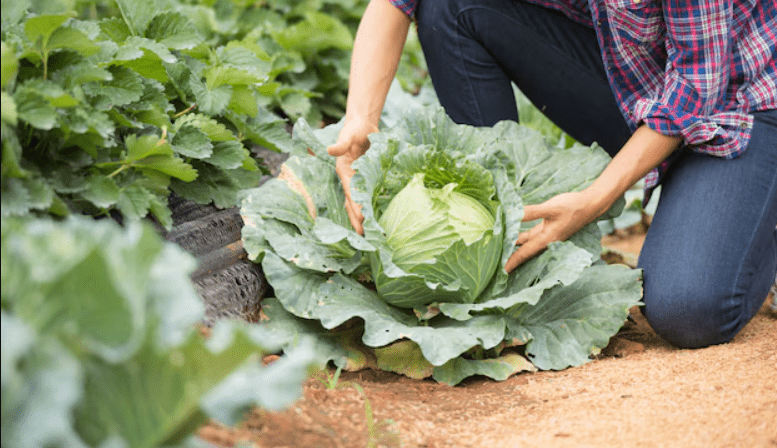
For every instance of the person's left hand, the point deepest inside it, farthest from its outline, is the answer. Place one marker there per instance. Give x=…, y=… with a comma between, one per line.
x=561, y=216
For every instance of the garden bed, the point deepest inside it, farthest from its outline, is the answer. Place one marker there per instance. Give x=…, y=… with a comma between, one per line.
x=640, y=392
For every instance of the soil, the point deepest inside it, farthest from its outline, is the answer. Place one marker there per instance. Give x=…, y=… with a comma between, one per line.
x=641, y=392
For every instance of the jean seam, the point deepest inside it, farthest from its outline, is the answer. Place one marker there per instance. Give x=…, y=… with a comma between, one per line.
x=469, y=78
x=735, y=285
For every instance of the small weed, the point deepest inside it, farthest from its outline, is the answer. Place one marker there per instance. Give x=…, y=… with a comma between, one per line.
x=329, y=380
x=378, y=433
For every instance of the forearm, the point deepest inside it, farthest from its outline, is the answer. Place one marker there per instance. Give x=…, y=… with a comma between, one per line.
x=377, y=49
x=645, y=150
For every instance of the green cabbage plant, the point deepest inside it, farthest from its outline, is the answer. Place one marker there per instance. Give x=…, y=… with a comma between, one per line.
x=100, y=346
x=424, y=291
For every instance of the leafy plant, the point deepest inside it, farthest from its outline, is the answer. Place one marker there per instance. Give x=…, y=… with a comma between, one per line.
x=552, y=312
x=196, y=83
x=424, y=228
x=307, y=43
x=112, y=114
x=99, y=341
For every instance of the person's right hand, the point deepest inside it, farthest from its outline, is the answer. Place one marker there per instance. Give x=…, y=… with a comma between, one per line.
x=351, y=144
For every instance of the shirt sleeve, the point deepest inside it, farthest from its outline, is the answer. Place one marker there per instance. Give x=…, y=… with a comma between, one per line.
x=691, y=99
x=406, y=6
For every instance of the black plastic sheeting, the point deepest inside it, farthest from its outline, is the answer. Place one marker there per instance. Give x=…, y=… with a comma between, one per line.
x=208, y=232
x=234, y=292
x=231, y=286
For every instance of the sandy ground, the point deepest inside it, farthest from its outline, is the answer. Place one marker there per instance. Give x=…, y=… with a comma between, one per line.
x=641, y=392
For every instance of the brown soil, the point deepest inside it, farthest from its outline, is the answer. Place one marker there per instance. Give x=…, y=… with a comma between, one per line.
x=641, y=392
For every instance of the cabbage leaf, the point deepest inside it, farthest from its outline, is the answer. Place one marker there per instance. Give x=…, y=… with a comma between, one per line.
x=100, y=348
x=555, y=311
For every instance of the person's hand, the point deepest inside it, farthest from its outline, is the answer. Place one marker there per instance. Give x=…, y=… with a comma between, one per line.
x=351, y=144
x=567, y=213
x=561, y=216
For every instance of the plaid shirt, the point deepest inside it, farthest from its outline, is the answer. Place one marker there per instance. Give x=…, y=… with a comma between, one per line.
x=689, y=68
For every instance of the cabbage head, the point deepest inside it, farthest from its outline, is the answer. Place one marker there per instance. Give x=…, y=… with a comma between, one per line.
x=442, y=237
x=423, y=291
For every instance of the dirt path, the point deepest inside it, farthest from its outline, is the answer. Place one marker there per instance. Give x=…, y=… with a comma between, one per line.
x=641, y=393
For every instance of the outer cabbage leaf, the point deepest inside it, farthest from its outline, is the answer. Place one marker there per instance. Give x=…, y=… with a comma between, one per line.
x=342, y=345
x=498, y=368
x=334, y=299
x=561, y=263
x=301, y=218
x=314, y=141
x=571, y=323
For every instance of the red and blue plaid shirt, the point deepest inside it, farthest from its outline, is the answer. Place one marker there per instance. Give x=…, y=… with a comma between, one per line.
x=689, y=68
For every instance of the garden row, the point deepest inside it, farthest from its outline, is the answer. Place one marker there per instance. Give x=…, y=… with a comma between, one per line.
x=128, y=111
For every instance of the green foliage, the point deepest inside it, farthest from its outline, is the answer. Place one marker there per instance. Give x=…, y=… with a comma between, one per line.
x=82, y=77
x=306, y=44
x=99, y=343
x=550, y=313
x=92, y=112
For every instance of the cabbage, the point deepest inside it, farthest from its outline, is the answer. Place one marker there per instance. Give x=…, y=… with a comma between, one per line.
x=423, y=292
x=426, y=228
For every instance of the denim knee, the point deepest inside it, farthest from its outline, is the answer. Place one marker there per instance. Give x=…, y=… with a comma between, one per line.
x=694, y=314
x=687, y=321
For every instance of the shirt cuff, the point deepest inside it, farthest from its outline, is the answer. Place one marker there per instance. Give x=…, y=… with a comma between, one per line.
x=724, y=134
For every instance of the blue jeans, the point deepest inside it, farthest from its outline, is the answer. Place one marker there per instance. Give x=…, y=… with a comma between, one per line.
x=710, y=255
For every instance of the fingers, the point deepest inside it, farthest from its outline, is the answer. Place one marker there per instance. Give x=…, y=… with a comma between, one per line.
x=561, y=216
x=533, y=241
x=347, y=150
x=527, y=251
x=535, y=212
x=355, y=216
x=529, y=234
x=338, y=149
x=345, y=173
x=353, y=140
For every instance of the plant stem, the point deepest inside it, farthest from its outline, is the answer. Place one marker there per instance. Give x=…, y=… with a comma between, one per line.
x=119, y=170
x=185, y=111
